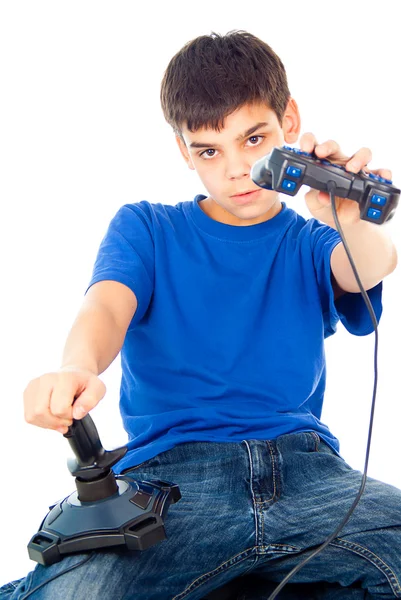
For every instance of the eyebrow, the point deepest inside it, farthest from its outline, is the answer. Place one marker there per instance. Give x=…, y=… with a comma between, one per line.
x=242, y=136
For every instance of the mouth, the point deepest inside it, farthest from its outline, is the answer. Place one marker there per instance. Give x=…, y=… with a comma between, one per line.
x=245, y=197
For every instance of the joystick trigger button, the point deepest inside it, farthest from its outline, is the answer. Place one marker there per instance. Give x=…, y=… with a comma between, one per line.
x=289, y=185
x=374, y=214
x=380, y=200
x=141, y=499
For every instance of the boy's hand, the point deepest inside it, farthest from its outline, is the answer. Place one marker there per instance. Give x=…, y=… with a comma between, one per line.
x=319, y=202
x=48, y=399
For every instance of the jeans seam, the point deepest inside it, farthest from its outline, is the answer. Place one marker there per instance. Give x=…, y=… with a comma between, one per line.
x=255, y=510
x=317, y=440
x=273, y=459
x=238, y=558
x=373, y=559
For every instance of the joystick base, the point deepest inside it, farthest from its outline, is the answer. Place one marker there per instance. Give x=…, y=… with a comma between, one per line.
x=133, y=517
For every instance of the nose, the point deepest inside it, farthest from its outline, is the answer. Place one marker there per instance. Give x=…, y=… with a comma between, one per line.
x=237, y=166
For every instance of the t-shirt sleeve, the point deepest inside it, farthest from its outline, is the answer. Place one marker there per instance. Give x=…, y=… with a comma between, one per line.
x=350, y=308
x=126, y=254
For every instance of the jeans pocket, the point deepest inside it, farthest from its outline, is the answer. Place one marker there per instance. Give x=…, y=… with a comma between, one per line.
x=144, y=464
x=150, y=463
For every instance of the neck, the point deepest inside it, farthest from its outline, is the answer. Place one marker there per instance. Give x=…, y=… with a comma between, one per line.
x=220, y=214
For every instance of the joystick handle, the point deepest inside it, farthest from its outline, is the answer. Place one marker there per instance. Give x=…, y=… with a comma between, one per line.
x=91, y=459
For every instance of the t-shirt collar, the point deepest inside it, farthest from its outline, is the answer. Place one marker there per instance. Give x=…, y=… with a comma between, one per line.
x=238, y=232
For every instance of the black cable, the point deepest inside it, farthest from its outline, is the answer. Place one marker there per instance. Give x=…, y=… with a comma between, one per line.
x=331, y=189
x=82, y=562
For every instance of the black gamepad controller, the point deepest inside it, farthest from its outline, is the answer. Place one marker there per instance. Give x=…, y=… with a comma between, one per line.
x=286, y=169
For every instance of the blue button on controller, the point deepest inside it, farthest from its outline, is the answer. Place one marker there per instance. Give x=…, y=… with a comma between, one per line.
x=289, y=185
x=293, y=171
x=380, y=200
x=374, y=214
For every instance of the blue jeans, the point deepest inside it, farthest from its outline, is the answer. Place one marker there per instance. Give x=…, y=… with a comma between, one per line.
x=255, y=507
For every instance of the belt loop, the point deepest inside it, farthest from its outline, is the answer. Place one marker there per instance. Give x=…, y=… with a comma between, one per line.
x=316, y=439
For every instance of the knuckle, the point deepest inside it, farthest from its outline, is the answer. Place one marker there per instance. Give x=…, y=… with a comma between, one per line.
x=102, y=387
x=29, y=417
x=33, y=415
x=30, y=387
x=58, y=411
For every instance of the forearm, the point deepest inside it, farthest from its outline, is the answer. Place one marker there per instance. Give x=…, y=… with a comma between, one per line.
x=373, y=252
x=94, y=340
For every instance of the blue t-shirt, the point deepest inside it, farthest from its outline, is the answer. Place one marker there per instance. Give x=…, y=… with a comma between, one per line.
x=227, y=342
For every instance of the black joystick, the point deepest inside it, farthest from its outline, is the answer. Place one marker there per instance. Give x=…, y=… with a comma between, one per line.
x=107, y=509
x=286, y=169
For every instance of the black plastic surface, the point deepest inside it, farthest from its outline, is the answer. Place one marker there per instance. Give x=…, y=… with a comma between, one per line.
x=105, y=510
x=287, y=169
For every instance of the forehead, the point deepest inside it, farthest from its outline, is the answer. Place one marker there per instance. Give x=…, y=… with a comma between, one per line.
x=235, y=125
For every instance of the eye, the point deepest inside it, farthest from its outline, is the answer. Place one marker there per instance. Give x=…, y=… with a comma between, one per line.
x=255, y=139
x=209, y=153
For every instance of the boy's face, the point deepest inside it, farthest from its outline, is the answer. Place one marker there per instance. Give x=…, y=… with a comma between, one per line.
x=223, y=161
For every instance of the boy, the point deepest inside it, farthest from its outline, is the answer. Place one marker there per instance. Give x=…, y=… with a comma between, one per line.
x=220, y=308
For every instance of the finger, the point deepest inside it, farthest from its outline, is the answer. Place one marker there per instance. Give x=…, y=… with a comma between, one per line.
x=307, y=142
x=385, y=173
x=89, y=398
x=36, y=404
x=329, y=149
x=315, y=201
x=63, y=394
x=359, y=160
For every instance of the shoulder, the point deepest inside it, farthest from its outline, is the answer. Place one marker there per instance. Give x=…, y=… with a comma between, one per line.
x=320, y=235
x=150, y=214
x=310, y=231
x=155, y=210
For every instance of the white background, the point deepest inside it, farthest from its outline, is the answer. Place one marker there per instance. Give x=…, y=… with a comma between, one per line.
x=82, y=132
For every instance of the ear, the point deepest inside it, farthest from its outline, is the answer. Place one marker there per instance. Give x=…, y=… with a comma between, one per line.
x=291, y=122
x=184, y=151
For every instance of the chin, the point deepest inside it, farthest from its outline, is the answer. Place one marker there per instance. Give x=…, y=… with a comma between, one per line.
x=250, y=210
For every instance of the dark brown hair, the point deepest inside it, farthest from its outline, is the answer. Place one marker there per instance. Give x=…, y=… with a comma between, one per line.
x=213, y=75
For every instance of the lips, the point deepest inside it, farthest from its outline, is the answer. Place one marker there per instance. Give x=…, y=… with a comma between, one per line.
x=245, y=197
x=243, y=193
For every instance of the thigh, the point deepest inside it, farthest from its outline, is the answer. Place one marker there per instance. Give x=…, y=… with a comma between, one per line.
x=210, y=534
x=318, y=490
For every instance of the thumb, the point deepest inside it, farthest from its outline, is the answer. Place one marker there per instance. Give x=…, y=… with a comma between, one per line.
x=88, y=399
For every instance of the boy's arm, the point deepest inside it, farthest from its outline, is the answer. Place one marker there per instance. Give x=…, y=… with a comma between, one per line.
x=95, y=339
x=98, y=332
x=373, y=252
